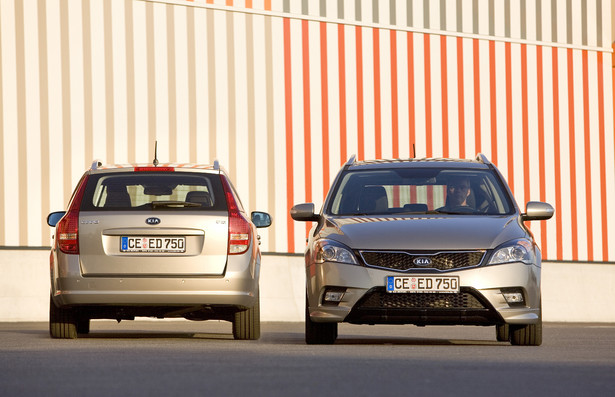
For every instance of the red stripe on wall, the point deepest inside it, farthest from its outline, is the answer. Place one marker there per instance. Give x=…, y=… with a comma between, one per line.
x=557, y=151
x=341, y=53
x=307, y=115
x=588, y=165
x=460, y=99
x=601, y=136
x=541, y=146
x=509, y=116
x=477, y=124
x=573, y=167
x=494, y=124
x=394, y=101
x=289, y=135
x=444, y=78
x=324, y=90
x=411, y=111
x=359, y=60
x=377, y=104
x=526, y=129
x=427, y=56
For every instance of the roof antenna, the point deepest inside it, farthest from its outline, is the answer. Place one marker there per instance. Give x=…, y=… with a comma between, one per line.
x=156, y=154
x=413, y=151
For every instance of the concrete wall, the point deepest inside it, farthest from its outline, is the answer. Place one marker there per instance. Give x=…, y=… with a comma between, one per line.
x=572, y=292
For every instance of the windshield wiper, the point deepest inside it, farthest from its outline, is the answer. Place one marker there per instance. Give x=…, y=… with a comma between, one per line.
x=173, y=204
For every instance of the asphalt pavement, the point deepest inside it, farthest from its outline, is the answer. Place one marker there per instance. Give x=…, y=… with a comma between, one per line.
x=182, y=358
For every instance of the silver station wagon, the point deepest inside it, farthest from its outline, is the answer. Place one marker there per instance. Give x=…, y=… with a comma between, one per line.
x=156, y=241
x=424, y=242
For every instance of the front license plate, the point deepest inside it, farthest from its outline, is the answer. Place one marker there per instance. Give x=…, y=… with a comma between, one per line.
x=423, y=284
x=152, y=244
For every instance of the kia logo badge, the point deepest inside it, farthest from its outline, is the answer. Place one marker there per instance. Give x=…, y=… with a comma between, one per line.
x=152, y=221
x=422, y=261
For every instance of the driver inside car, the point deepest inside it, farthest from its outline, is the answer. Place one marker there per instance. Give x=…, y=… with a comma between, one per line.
x=457, y=193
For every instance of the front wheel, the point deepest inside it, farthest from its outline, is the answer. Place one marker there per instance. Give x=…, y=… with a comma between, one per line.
x=62, y=322
x=247, y=323
x=526, y=335
x=319, y=333
x=502, y=333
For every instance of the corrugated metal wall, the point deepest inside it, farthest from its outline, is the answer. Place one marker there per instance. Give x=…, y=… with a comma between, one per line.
x=283, y=92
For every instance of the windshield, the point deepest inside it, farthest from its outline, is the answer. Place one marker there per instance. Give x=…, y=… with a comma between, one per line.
x=419, y=191
x=154, y=191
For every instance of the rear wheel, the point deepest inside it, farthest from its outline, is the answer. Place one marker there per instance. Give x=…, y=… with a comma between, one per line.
x=502, y=333
x=62, y=322
x=526, y=335
x=319, y=333
x=247, y=324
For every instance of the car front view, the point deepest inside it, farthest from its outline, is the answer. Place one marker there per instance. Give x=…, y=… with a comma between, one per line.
x=424, y=242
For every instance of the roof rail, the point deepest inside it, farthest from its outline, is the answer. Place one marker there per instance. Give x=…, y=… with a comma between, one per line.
x=483, y=159
x=350, y=161
x=95, y=164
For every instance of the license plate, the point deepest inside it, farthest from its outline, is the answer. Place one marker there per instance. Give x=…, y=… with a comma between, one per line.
x=423, y=284
x=152, y=244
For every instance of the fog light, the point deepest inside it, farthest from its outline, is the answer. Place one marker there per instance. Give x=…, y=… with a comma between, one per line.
x=333, y=296
x=513, y=296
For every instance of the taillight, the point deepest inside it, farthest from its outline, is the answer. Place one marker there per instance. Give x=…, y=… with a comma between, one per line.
x=67, y=229
x=239, y=229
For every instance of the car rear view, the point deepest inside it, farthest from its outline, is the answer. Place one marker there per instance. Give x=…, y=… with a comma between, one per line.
x=155, y=241
x=424, y=242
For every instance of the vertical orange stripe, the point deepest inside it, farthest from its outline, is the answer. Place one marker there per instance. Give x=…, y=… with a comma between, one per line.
x=396, y=196
x=411, y=110
x=248, y=3
x=557, y=154
x=229, y=3
x=394, y=102
x=427, y=51
x=541, y=146
x=460, y=99
x=377, y=108
x=341, y=53
x=526, y=130
x=494, y=114
x=477, y=124
x=601, y=135
x=588, y=165
x=307, y=115
x=509, y=115
x=444, y=78
x=573, y=167
x=267, y=5
x=324, y=89
x=359, y=60
x=289, y=135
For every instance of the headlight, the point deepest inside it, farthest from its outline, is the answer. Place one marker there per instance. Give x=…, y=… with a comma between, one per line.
x=514, y=251
x=330, y=251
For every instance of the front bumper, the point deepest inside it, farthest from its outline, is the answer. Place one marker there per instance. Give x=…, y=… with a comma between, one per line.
x=480, y=301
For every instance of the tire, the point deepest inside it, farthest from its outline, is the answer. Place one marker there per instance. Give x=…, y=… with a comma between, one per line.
x=526, y=335
x=319, y=333
x=62, y=322
x=247, y=323
x=502, y=332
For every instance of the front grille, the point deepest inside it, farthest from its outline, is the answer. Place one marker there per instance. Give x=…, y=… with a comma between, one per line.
x=404, y=261
x=380, y=299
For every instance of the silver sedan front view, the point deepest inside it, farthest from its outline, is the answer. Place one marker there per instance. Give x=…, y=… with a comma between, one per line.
x=424, y=242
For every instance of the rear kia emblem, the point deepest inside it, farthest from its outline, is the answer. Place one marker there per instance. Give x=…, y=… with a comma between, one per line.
x=422, y=261
x=152, y=221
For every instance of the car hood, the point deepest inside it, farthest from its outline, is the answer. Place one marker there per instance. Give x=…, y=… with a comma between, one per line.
x=423, y=232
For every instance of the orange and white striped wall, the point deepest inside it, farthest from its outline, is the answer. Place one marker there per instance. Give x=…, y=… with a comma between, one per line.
x=283, y=92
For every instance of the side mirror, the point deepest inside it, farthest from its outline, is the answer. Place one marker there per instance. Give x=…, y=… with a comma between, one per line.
x=261, y=219
x=304, y=213
x=54, y=218
x=537, y=211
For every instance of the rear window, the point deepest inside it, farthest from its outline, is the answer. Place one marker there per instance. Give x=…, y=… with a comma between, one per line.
x=166, y=191
x=419, y=191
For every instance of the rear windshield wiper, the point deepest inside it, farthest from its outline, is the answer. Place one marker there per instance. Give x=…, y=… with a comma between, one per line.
x=173, y=204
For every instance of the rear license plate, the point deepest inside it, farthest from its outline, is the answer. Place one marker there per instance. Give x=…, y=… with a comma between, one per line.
x=423, y=284
x=152, y=244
